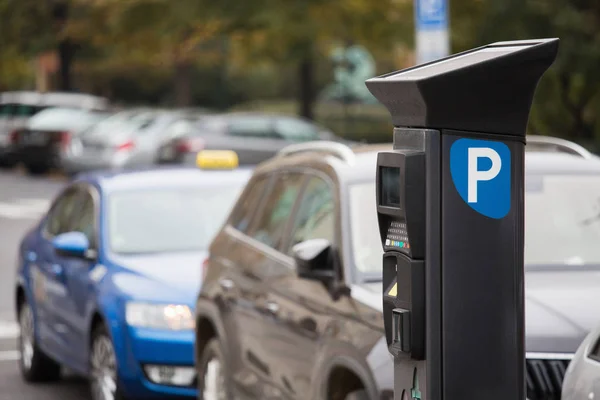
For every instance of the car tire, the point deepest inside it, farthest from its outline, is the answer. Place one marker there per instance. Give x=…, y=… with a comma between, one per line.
x=36, y=169
x=213, y=377
x=8, y=163
x=357, y=395
x=104, y=379
x=34, y=364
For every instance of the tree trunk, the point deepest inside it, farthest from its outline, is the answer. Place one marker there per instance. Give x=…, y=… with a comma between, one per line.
x=66, y=49
x=306, y=92
x=183, y=83
x=66, y=53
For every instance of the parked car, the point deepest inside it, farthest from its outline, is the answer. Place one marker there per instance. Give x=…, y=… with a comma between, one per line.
x=17, y=107
x=47, y=136
x=291, y=301
x=107, y=280
x=582, y=380
x=254, y=137
x=127, y=139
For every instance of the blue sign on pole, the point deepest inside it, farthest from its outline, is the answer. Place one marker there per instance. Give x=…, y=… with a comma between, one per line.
x=431, y=14
x=431, y=24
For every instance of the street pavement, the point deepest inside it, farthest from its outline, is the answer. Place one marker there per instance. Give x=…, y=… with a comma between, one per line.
x=23, y=200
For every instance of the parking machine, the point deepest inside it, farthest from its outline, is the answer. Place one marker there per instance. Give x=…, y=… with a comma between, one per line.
x=450, y=207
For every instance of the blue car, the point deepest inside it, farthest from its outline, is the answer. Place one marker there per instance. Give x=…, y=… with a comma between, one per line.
x=108, y=279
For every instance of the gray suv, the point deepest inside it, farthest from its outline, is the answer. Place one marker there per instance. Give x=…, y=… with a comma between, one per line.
x=293, y=282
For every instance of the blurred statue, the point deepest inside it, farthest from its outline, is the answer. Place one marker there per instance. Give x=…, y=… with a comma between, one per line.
x=353, y=65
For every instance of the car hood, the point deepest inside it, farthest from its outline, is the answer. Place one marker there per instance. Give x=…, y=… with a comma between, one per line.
x=560, y=308
x=165, y=277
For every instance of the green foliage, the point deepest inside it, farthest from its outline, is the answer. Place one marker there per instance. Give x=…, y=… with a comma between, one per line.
x=246, y=50
x=567, y=97
x=27, y=26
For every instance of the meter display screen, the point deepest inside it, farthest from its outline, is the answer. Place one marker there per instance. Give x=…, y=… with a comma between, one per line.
x=390, y=187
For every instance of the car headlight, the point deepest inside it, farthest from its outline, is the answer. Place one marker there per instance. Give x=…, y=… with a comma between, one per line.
x=174, y=317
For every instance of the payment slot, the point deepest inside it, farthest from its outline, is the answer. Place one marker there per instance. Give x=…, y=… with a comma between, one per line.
x=450, y=209
x=401, y=214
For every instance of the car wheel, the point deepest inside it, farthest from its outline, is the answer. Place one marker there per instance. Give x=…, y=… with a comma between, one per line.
x=357, y=395
x=35, y=366
x=103, y=367
x=36, y=169
x=213, y=380
x=8, y=163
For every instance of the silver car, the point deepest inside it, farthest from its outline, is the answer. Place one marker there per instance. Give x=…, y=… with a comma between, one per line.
x=582, y=381
x=46, y=136
x=17, y=107
x=255, y=137
x=126, y=139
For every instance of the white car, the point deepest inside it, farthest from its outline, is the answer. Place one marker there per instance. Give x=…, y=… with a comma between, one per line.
x=582, y=379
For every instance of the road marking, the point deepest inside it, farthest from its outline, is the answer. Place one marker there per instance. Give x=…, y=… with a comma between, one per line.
x=9, y=330
x=24, y=208
x=12, y=355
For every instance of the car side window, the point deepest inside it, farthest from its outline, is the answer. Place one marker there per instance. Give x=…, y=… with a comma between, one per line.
x=178, y=128
x=315, y=218
x=245, y=209
x=595, y=353
x=25, y=110
x=251, y=127
x=85, y=220
x=277, y=208
x=60, y=218
x=6, y=110
x=295, y=130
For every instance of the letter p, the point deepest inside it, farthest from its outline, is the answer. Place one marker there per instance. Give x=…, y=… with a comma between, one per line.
x=474, y=175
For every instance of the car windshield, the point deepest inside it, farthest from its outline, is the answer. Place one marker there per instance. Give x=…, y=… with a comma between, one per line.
x=168, y=219
x=562, y=222
x=63, y=118
x=365, y=239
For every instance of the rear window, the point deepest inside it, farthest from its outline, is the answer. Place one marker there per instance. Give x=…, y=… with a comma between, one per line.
x=168, y=219
x=63, y=118
x=26, y=111
x=257, y=127
x=141, y=122
x=113, y=123
x=6, y=110
x=208, y=126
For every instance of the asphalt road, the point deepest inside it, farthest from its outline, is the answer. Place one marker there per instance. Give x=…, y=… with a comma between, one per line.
x=23, y=200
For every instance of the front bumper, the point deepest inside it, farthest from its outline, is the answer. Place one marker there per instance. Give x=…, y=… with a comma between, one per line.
x=155, y=356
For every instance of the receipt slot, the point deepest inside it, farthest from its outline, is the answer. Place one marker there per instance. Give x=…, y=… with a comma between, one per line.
x=450, y=210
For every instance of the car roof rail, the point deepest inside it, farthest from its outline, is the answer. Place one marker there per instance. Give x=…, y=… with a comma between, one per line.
x=336, y=149
x=550, y=143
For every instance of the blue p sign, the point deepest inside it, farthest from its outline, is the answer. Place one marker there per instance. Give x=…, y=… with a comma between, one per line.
x=480, y=171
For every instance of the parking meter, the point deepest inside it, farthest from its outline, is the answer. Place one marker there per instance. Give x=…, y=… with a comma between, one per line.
x=450, y=207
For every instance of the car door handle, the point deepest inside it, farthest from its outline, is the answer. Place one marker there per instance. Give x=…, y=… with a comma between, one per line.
x=31, y=256
x=226, y=284
x=272, y=307
x=57, y=269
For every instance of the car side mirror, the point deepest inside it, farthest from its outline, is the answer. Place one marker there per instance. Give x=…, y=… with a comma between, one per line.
x=72, y=244
x=314, y=260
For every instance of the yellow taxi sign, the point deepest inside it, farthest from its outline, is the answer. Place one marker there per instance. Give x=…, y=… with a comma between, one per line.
x=217, y=159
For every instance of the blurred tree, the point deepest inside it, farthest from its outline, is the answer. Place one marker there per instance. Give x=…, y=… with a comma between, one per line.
x=30, y=27
x=154, y=33
x=299, y=30
x=569, y=94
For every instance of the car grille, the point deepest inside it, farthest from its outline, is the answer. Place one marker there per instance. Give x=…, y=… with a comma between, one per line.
x=545, y=378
